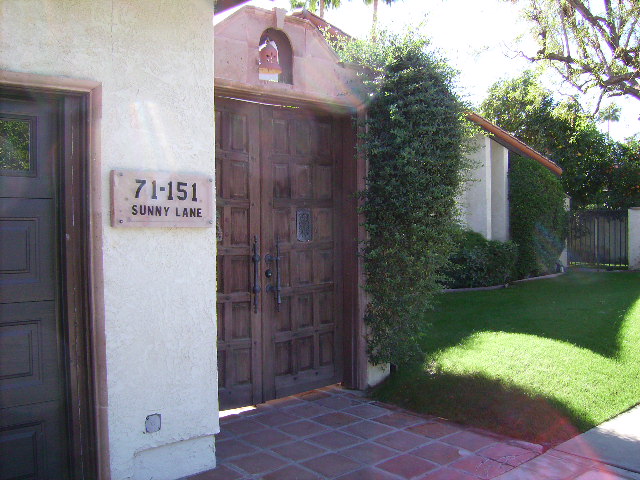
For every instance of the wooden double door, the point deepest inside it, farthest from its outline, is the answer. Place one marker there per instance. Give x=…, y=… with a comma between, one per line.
x=279, y=301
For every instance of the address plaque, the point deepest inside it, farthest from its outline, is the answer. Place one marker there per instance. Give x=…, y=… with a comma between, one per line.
x=161, y=199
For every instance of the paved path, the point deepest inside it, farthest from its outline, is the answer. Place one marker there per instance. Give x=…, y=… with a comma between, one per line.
x=333, y=433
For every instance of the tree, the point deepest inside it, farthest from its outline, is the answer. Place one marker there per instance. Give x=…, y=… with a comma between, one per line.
x=592, y=44
x=375, y=11
x=561, y=130
x=611, y=113
x=313, y=5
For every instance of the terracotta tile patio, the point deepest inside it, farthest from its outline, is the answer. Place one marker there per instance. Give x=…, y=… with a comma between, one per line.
x=337, y=433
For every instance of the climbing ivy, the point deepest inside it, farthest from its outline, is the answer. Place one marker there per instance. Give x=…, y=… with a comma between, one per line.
x=415, y=144
x=538, y=220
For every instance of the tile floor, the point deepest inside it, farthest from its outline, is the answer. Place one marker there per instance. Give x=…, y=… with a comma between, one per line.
x=333, y=433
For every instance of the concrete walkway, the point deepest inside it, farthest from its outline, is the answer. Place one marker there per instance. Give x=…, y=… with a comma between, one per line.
x=610, y=451
x=333, y=433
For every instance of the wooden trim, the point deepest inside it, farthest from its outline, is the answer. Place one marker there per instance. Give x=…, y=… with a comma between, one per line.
x=512, y=143
x=350, y=251
x=81, y=260
x=287, y=95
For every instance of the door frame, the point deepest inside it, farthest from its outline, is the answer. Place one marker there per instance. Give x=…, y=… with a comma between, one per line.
x=79, y=241
x=354, y=167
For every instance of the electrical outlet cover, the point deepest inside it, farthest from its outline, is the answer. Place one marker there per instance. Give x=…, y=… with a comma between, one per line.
x=152, y=423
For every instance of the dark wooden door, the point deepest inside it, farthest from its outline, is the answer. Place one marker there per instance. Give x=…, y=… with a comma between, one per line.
x=33, y=433
x=237, y=223
x=278, y=187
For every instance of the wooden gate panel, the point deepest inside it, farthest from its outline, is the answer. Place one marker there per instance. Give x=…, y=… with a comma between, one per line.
x=237, y=222
x=300, y=153
x=278, y=174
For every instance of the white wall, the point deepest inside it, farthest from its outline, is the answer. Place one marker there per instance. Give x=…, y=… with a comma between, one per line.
x=484, y=202
x=634, y=238
x=476, y=197
x=499, y=192
x=155, y=62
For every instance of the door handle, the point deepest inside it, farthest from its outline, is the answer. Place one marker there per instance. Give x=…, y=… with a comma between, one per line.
x=256, y=273
x=275, y=288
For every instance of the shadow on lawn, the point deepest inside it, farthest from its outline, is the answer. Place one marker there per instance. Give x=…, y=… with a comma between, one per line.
x=586, y=310
x=482, y=402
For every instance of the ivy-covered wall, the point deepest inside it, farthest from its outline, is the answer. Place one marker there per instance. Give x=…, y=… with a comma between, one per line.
x=538, y=220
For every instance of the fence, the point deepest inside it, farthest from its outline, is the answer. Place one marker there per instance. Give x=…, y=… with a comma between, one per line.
x=599, y=238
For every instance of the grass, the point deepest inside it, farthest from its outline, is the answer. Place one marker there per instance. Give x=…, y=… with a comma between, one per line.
x=541, y=361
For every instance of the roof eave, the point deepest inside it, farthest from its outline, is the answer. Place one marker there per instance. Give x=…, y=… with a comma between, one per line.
x=512, y=143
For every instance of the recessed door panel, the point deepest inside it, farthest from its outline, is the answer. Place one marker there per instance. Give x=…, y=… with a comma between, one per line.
x=33, y=429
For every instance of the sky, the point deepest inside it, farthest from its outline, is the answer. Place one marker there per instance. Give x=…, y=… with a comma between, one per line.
x=481, y=39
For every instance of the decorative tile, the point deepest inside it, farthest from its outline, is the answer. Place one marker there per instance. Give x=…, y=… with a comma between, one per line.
x=439, y=453
x=369, y=453
x=337, y=402
x=450, y=474
x=258, y=463
x=399, y=420
x=298, y=451
x=336, y=420
x=469, y=440
x=334, y=440
x=402, y=441
x=303, y=428
x=407, y=466
x=313, y=395
x=308, y=410
x=219, y=473
x=366, y=411
x=434, y=429
x=331, y=465
x=266, y=438
x=367, y=429
x=368, y=473
x=508, y=454
x=232, y=448
x=275, y=418
x=292, y=472
x=242, y=426
x=481, y=467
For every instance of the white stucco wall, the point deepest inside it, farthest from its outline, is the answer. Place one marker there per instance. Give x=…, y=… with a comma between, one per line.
x=634, y=238
x=155, y=62
x=376, y=374
x=499, y=192
x=475, y=202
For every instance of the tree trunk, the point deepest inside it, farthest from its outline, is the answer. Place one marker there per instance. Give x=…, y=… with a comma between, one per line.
x=375, y=15
x=321, y=8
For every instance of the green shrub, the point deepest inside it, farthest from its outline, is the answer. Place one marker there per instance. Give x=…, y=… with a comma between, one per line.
x=479, y=262
x=537, y=216
x=414, y=139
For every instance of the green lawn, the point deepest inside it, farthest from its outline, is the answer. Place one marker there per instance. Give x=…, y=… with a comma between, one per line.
x=541, y=360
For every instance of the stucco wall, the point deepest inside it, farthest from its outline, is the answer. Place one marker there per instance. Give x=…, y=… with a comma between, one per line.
x=476, y=197
x=499, y=192
x=155, y=62
x=484, y=201
x=318, y=75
